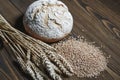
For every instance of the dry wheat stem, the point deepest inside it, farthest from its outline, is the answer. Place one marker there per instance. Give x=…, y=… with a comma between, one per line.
x=61, y=67
x=32, y=54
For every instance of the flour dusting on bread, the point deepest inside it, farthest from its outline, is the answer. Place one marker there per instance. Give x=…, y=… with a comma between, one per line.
x=49, y=19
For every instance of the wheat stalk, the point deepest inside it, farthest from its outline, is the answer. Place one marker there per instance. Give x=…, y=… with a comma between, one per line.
x=32, y=54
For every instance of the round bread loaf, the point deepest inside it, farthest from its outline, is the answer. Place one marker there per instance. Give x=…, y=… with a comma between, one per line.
x=48, y=20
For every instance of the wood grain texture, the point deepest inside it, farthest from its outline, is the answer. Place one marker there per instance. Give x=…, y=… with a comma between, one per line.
x=97, y=20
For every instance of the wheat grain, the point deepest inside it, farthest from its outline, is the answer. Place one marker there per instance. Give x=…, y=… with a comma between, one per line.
x=87, y=59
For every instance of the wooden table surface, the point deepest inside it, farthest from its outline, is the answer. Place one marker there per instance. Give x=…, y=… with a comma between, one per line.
x=97, y=20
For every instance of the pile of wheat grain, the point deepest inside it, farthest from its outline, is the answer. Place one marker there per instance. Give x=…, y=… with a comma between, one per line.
x=87, y=59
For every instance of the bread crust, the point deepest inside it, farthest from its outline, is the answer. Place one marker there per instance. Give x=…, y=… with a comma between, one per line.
x=48, y=20
x=47, y=40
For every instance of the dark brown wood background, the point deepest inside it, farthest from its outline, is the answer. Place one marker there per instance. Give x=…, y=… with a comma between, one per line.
x=97, y=20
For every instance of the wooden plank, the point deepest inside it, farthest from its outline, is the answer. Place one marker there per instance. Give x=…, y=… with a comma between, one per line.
x=9, y=11
x=97, y=22
x=99, y=29
x=114, y=5
x=111, y=38
x=7, y=69
x=20, y=6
